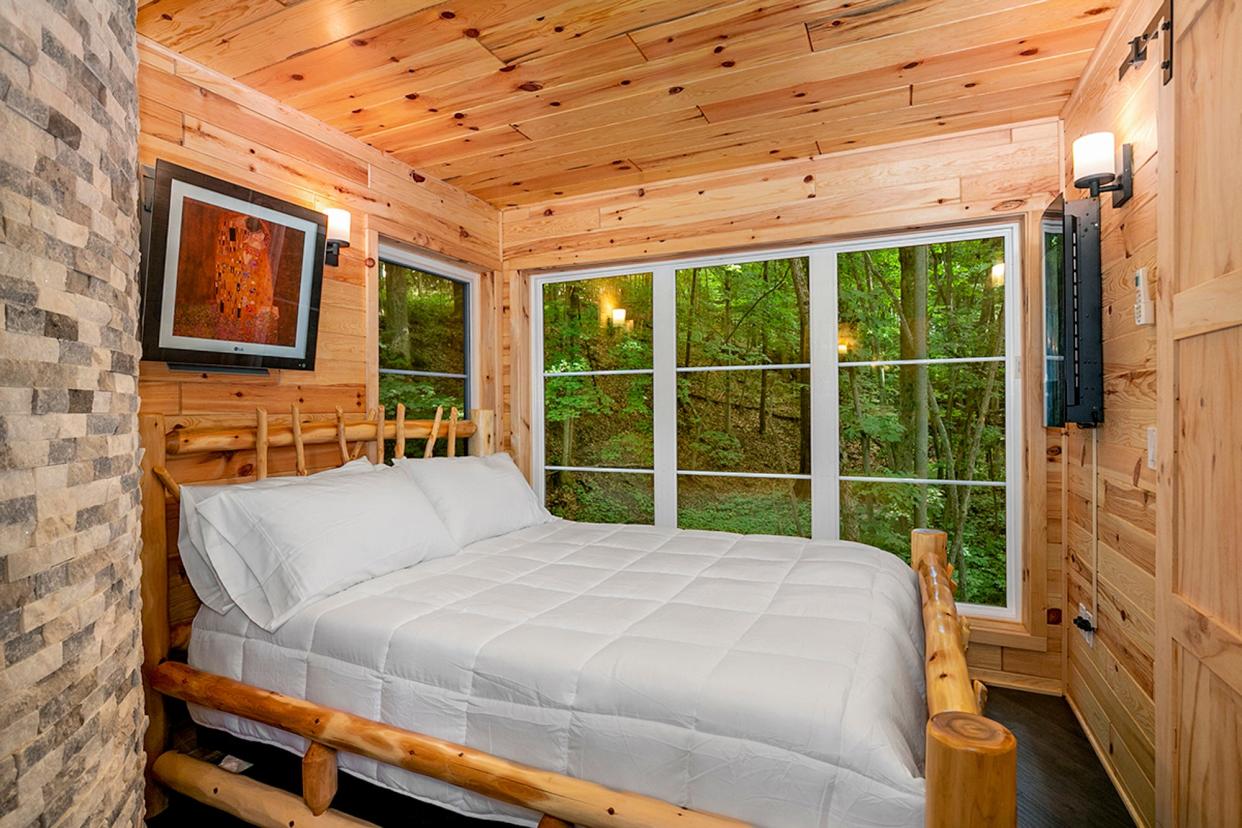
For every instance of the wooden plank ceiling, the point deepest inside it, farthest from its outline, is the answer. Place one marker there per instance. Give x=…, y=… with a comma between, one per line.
x=518, y=101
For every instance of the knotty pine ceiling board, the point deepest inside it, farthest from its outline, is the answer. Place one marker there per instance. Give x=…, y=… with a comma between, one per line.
x=518, y=101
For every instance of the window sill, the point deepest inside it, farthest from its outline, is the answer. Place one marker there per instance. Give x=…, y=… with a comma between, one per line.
x=1005, y=634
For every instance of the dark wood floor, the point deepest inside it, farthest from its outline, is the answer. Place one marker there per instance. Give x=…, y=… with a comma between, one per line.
x=1061, y=783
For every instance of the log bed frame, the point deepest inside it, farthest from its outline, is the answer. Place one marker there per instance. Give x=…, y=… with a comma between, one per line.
x=971, y=761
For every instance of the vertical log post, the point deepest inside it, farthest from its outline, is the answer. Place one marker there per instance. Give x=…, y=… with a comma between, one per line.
x=379, y=437
x=340, y=435
x=154, y=590
x=435, y=432
x=260, y=444
x=298, y=448
x=483, y=441
x=972, y=771
x=319, y=777
x=972, y=761
x=399, y=448
x=361, y=444
x=452, y=432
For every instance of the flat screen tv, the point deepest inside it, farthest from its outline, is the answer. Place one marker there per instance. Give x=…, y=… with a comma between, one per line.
x=233, y=276
x=1073, y=305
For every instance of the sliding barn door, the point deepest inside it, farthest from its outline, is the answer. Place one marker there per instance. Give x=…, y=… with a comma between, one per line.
x=1199, y=369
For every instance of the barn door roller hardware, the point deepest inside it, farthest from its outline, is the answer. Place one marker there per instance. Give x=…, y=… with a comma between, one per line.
x=1161, y=24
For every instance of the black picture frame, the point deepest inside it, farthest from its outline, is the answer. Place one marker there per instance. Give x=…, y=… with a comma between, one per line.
x=155, y=264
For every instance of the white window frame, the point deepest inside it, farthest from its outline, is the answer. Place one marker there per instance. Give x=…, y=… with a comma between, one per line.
x=824, y=372
x=399, y=255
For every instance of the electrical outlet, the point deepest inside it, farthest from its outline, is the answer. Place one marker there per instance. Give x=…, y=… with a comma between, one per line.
x=1085, y=622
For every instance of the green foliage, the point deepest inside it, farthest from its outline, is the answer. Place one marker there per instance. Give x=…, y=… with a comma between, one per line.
x=422, y=325
x=421, y=395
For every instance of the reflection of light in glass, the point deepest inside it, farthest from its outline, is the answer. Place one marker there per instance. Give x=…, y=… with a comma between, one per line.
x=618, y=316
x=998, y=274
x=845, y=338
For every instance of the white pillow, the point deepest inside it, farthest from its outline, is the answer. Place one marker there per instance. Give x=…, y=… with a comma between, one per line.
x=305, y=542
x=190, y=547
x=477, y=497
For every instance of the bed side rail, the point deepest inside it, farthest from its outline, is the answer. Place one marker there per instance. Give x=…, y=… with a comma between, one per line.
x=564, y=800
x=971, y=760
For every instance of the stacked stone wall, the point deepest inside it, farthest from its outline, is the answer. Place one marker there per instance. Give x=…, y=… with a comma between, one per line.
x=71, y=713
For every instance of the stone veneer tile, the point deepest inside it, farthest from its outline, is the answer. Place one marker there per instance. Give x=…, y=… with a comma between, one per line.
x=71, y=713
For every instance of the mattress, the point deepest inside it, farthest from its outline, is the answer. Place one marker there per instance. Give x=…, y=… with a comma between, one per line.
x=774, y=680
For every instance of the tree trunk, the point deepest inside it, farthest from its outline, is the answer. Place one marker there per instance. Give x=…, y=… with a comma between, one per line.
x=728, y=375
x=915, y=377
x=694, y=286
x=397, y=313
x=763, y=375
x=802, y=290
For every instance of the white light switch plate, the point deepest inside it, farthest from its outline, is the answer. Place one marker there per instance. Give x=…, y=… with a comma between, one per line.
x=1151, y=447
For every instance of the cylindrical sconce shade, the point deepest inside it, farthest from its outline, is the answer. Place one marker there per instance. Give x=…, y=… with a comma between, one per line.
x=1094, y=159
x=618, y=316
x=338, y=224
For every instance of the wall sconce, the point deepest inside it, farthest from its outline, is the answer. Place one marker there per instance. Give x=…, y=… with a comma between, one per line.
x=1095, y=167
x=618, y=317
x=338, y=235
x=998, y=275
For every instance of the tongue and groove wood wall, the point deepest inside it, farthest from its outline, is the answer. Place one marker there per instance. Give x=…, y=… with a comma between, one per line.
x=1111, y=493
x=201, y=119
x=999, y=173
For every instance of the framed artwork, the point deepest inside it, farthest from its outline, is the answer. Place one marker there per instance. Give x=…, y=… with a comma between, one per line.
x=233, y=276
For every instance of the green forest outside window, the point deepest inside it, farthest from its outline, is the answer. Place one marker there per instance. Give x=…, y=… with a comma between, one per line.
x=424, y=337
x=848, y=391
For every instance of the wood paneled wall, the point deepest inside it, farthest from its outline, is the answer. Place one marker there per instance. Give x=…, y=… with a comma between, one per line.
x=984, y=175
x=1110, y=519
x=198, y=118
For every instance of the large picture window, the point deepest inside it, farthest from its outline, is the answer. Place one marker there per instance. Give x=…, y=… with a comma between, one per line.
x=848, y=391
x=425, y=325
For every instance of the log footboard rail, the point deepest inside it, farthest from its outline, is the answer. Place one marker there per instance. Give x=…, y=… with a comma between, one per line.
x=571, y=800
x=972, y=761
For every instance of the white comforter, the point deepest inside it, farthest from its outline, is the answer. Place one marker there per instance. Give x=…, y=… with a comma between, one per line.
x=774, y=680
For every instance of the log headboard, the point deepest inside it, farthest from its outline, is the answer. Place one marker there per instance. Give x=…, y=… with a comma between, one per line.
x=242, y=447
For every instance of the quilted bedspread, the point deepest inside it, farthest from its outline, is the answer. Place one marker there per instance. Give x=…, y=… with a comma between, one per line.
x=774, y=680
